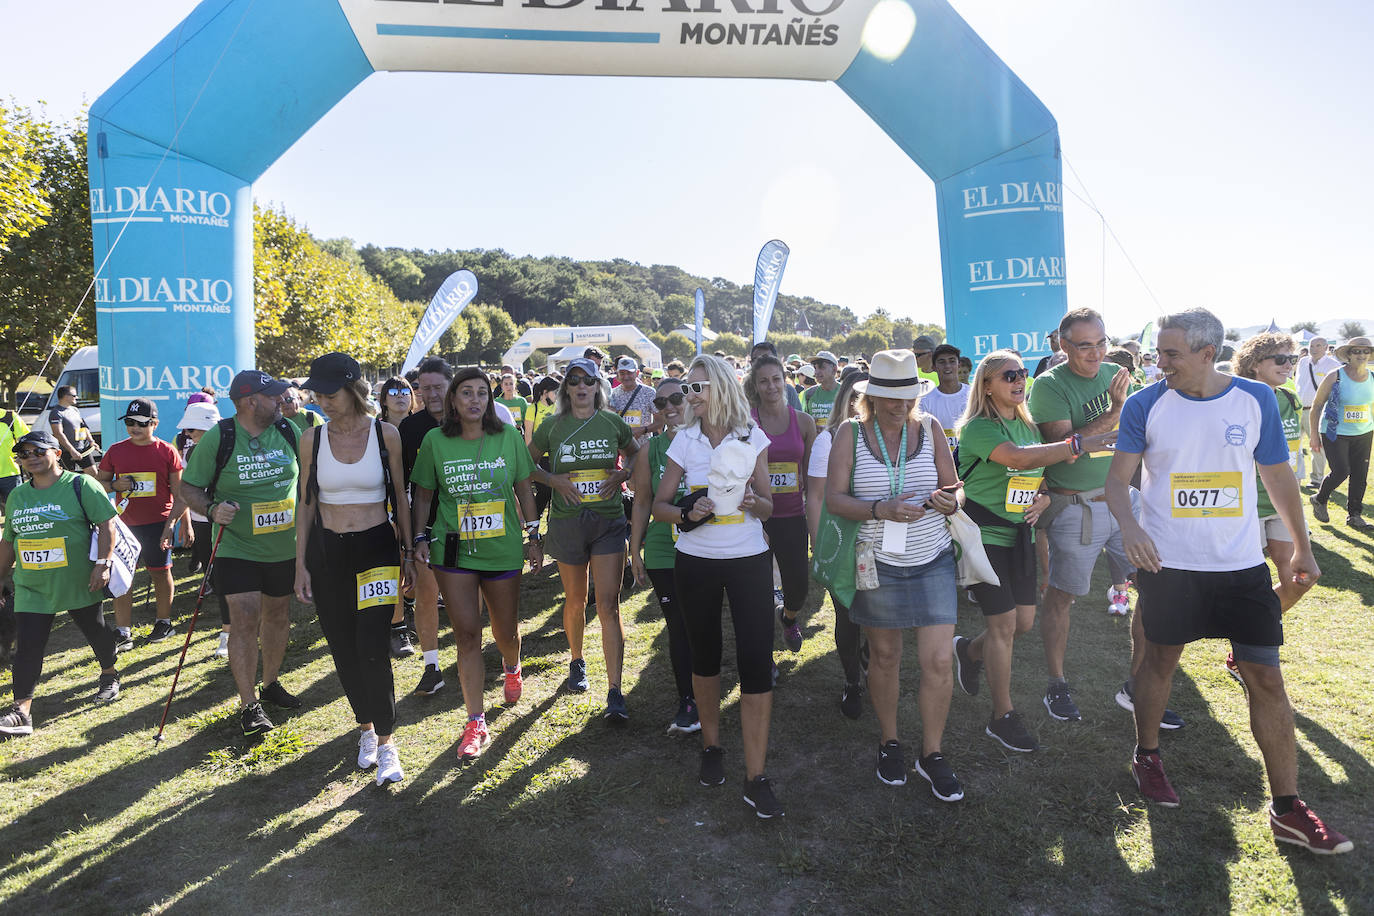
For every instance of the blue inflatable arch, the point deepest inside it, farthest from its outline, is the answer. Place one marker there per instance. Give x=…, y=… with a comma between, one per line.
x=176, y=143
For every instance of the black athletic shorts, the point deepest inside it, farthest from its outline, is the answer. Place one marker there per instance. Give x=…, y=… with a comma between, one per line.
x=1015, y=588
x=235, y=577
x=152, y=555
x=1178, y=606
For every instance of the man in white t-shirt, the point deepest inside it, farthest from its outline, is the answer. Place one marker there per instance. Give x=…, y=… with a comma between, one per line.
x=1199, y=440
x=1312, y=368
x=946, y=402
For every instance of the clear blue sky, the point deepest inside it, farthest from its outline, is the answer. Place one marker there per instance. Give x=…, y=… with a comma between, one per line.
x=1225, y=141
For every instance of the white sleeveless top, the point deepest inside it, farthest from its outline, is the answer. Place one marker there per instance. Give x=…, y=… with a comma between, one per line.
x=350, y=484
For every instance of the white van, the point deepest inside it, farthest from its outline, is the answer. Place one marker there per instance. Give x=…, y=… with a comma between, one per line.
x=82, y=372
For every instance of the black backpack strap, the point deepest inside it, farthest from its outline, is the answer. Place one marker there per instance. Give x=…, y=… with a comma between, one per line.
x=227, y=435
x=387, y=482
x=312, y=480
x=76, y=488
x=288, y=432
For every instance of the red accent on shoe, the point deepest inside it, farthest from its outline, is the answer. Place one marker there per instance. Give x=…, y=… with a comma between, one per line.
x=1153, y=784
x=1303, y=828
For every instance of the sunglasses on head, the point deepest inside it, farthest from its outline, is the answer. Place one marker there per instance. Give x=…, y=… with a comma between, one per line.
x=397, y=392
x=26, y=454
x=130, y=421
x=696, y=387
x=1282, y=359
x=1014, y=375
x=675, y=399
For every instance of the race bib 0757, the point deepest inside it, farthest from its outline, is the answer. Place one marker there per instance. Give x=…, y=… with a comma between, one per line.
x=782, y=476
x=42, y=553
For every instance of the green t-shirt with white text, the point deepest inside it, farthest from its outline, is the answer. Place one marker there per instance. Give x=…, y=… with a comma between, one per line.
x=1290, y=420
x=52, y=543
x=995, y=486
x=586, y=449
x=261, y=478
x=1062, y=394
x=818, y=403
x=474, y=485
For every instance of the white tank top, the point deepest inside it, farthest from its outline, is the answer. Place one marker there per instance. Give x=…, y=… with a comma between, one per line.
x=350, y=484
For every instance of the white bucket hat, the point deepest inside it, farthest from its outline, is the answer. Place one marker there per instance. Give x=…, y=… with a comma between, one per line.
x=892, y=374
x=199, y=416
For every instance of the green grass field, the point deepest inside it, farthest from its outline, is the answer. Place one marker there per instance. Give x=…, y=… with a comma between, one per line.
x=564, y=812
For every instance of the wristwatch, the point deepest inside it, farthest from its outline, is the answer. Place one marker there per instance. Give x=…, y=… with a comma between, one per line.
x=102, y=562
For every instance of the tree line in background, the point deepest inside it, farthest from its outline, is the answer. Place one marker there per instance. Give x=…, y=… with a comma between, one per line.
x=313, y=296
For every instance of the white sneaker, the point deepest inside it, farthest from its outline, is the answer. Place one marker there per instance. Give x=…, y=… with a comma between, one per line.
x=367, y=749
x=388, y=764
x=1118, y=601
x=223, y=650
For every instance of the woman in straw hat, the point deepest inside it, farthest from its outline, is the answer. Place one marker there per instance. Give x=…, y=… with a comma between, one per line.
x=1342, y=427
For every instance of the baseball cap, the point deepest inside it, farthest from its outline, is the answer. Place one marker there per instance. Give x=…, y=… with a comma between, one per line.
x=626, y=362
x=588, y=366
x=140, y=409
x=793, y=358
x=658, y=373
x=199, y=416
x=924, y=342
x=41, y=438
x=808, y=371
x=331, y=372
x=255, y=381
x=200, y=397
x=825, y=356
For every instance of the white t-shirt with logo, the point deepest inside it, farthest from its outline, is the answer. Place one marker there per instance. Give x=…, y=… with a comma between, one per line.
x=1309, y=375
x=947, y=409
x=731, y=537
x=1198, y=494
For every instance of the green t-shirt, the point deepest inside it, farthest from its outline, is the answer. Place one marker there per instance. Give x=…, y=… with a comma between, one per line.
x=517, y=407
x=660, y=547
x=992, y=485
x=818, y=402
x=304, y=419
x=52, y=543
x=261, y=478
x=1062, y=394
x=474, y=483
x=10, y=433
x=588, y=449
x=1290, y=419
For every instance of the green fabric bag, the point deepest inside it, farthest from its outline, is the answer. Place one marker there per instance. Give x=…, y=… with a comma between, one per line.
x=832, y=562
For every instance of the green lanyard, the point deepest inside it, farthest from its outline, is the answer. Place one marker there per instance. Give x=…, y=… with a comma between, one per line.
x=895, y=479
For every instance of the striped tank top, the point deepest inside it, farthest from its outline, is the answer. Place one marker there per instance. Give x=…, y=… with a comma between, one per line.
x=927, y=537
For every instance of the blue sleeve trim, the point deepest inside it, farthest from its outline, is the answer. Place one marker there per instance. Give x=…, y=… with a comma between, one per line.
x=1134, y=416
x=1272, y=447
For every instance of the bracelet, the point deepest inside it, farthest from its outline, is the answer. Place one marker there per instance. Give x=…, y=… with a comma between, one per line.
x=873, y=509
x=421, y=537
x=1075, y=444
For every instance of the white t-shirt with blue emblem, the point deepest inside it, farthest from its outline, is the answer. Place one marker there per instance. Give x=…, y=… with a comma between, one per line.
x=1198, y=470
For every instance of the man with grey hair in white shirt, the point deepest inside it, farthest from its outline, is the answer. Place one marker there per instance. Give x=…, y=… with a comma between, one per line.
x=1312, y=368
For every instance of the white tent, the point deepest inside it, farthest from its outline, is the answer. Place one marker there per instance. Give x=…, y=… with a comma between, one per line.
x=575, y=340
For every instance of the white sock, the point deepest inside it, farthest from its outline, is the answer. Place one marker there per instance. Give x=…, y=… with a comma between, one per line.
x=432, y=657
x=167, y=620
x=123, y=631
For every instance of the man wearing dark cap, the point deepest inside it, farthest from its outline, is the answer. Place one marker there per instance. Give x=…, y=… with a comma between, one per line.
x=252, y=499
x=924, y=348
x=71, y=432
x=144, y=473
x=1055, y=358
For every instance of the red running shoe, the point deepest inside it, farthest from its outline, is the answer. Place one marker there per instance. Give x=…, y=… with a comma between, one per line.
x=1303, y=828
x=515, y=682
x=1153, y=784
x=475, y=737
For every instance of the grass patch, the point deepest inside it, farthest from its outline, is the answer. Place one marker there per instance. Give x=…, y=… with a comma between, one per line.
x=565, y=811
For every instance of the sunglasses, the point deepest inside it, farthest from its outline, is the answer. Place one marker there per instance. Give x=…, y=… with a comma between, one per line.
x=397, y=392
x=1282, y=359
x=674, y=399
x=696, y=387
x=581, y=380
x=1359, y=351
x=1014, y=375
x=28, y=453
x=130, y=421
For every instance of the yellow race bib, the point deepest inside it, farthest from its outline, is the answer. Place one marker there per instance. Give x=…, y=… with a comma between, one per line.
x=735, y=519
x=42, y=553
x=274, y=516
x=1214, y=495
x=1355, y=413
x=588, y=483
x=633, y=419
x=1293, y=453
x=379, y=586
x=145, y=484
x=782, y=476
x=1021, y=492
x=482, y=520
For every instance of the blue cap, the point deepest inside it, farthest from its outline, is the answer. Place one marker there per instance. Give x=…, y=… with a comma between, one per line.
x=586, y=365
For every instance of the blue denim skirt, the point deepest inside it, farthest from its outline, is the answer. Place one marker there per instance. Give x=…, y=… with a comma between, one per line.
x=910, y=596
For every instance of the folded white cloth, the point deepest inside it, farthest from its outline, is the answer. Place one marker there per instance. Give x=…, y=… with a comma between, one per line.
x=732, y=464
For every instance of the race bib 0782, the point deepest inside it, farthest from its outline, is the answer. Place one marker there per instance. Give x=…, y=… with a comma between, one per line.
x=1207, y=495
x=782, y=476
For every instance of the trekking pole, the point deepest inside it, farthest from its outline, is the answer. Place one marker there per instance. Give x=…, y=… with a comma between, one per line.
x=200, y=596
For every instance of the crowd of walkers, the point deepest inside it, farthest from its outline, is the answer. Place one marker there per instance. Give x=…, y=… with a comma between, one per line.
x=711, y=483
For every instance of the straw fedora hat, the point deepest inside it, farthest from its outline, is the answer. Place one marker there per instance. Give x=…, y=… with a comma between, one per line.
x=892, y=374
x=1343, y=351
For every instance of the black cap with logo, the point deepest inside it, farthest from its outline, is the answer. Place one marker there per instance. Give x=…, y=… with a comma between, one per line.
x=255, y=381
x=331, y=372
x=140, y=409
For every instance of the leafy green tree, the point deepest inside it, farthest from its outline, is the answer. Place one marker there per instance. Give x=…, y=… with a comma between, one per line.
x=1352, y=329
x=1309, y=326
x=1232, y=334
x=24, y=204
x=732, y=344
x=863, y=342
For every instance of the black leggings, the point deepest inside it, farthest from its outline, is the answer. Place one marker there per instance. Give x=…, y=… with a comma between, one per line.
x=542, y=494
x=359, y=640
x=200, y=553
x=787, y=539
x=679, y=649
x=31, y=642
x=846, y=642
x=748, y=582
x=1347, y=456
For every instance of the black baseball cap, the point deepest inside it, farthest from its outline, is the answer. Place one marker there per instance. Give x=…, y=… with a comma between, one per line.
x=38, y=437
x=255, y=381
x=331, y=372
x=140, y=409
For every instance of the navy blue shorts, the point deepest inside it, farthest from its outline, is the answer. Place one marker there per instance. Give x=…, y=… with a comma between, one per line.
x=152, y=556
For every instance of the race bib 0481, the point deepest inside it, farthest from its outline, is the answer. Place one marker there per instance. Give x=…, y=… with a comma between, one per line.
x=1355, y=413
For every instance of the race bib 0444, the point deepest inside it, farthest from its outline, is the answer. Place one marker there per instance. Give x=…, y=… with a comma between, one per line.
x=1210, y=495
x=274, y=516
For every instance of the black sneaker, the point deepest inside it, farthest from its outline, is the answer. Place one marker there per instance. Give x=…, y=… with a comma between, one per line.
x=576, y=681
x=430, y=682
x=161, y=630
x=758, y=794
x=1170, y=721
x=400, y=642
x=1059, y=703
x=791, y=632
x=851, y=700
x=254, y=720
x=863, y=660
x=966, y=670
x=16, y=722
x=1358, y=523
x=687, y=721
x=891, y=764
x=278, y=696
x=1012, y=733
x=712, y=766
x=108, y=689
x=935, y=769
x=775, y=675
x=1319, y=510
x=615, y=713
x=122, y=643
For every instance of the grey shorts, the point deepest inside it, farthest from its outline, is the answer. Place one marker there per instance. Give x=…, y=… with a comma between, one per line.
x=577, y=539
x=1072, y=561
x=1272, y=528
